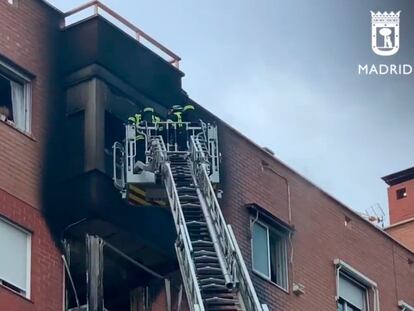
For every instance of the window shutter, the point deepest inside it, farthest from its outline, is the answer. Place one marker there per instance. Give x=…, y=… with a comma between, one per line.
x=13, y=255
x=351, y=292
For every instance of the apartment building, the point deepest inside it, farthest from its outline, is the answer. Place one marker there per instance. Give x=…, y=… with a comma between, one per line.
x=401, y=206
x=158, y=238
x=31, y=271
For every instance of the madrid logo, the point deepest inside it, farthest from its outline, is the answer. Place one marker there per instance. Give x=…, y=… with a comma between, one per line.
x=385, y=41
x=385, y=33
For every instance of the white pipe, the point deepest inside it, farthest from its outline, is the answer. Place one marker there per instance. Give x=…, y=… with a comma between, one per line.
x=405, y=306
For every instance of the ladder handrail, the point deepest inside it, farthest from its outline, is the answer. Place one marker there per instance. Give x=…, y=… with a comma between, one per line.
x=234, y=259
x=119, y=182
x=161, y=164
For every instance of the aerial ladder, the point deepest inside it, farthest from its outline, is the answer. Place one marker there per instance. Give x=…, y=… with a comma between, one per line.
x=214, y=273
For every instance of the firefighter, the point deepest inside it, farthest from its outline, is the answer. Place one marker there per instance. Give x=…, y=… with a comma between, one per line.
x=135, y=119
x=148, y=116
x=139, y=137
x=189, y=115
x=176, y=131
x=140, y=144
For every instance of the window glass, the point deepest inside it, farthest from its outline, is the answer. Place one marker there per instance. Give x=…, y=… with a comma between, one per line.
x=270, y=254
x=14, y=256
x=401, y=193
x=14, y=102
x=352, y=293
x=277, y=259
x=260, y=249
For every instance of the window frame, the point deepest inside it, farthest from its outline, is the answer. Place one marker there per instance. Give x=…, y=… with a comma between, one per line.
x=362, y=286
x=361, y=280
x=27, y=291
x=284, y=237
x=11, y=73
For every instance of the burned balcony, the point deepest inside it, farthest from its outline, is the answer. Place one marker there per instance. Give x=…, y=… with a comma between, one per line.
x=107, y=39
x=102, y=87
x=108, y=76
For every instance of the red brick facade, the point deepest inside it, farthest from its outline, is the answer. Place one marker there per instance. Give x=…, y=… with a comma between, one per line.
x=403, y=232
x=28, y=41
x=401, y=209
x=46, y=265
x=324, y=229
x=401, y=206
x=250, y=175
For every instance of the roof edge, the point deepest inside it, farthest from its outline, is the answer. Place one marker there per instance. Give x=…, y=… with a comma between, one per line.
x=51, y=6
x=280, y=162
x=399, y=177
x=400, y=223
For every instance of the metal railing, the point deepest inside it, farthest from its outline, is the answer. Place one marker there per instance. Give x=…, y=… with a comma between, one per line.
x=171, y=132
x=119, y=166
x=234, y=260
x=159, y=162
x=98, y=8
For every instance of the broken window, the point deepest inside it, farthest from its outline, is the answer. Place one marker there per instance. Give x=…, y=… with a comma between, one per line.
x=15, y=101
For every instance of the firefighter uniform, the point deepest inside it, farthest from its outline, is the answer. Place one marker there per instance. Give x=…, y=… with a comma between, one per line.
x=139, y=138
x=140, y=142
x=189, y=115
x=148, y=116
x=135, y=119
x=176, y=132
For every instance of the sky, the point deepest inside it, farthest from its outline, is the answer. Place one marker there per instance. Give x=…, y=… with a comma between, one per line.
x=285, y=73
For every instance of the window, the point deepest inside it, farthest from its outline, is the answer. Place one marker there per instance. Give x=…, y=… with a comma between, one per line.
x=114, y=131
x=269, y=252
x=401, y=193
x=352, y=295
x=15, y=244
x=14, y=98
x=355, y=292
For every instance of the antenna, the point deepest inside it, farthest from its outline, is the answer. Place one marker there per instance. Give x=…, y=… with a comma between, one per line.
x=376, y=216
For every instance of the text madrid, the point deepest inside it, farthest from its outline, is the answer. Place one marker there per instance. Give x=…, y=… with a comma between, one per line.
x=384, y=69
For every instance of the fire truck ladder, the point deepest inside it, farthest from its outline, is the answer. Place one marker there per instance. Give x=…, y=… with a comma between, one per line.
x=214, y=274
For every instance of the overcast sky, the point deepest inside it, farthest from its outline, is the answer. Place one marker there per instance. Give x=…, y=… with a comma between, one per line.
x=285, y=74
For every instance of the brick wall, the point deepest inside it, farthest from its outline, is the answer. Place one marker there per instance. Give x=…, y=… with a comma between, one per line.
x=46, y=266
x=320, y=233
x=28, y=39
x=404, y=233
x=401, y=209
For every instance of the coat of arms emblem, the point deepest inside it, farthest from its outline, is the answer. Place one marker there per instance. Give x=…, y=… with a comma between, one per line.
x=385, y=33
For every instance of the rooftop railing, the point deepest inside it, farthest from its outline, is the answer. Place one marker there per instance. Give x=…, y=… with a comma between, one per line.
x=95, y=8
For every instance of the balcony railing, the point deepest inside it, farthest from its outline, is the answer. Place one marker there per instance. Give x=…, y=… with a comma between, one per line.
x=95, y=8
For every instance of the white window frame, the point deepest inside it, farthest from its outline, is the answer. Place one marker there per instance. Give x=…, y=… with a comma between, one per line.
x=15, y=75
x=342, y=267
x=362, y=286
x=285, y=255
x=405, y=306
x=27, y=292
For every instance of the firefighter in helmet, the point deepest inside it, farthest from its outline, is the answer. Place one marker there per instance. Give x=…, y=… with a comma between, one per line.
x=136, y=120
x=176, y=130
x=189, y=115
